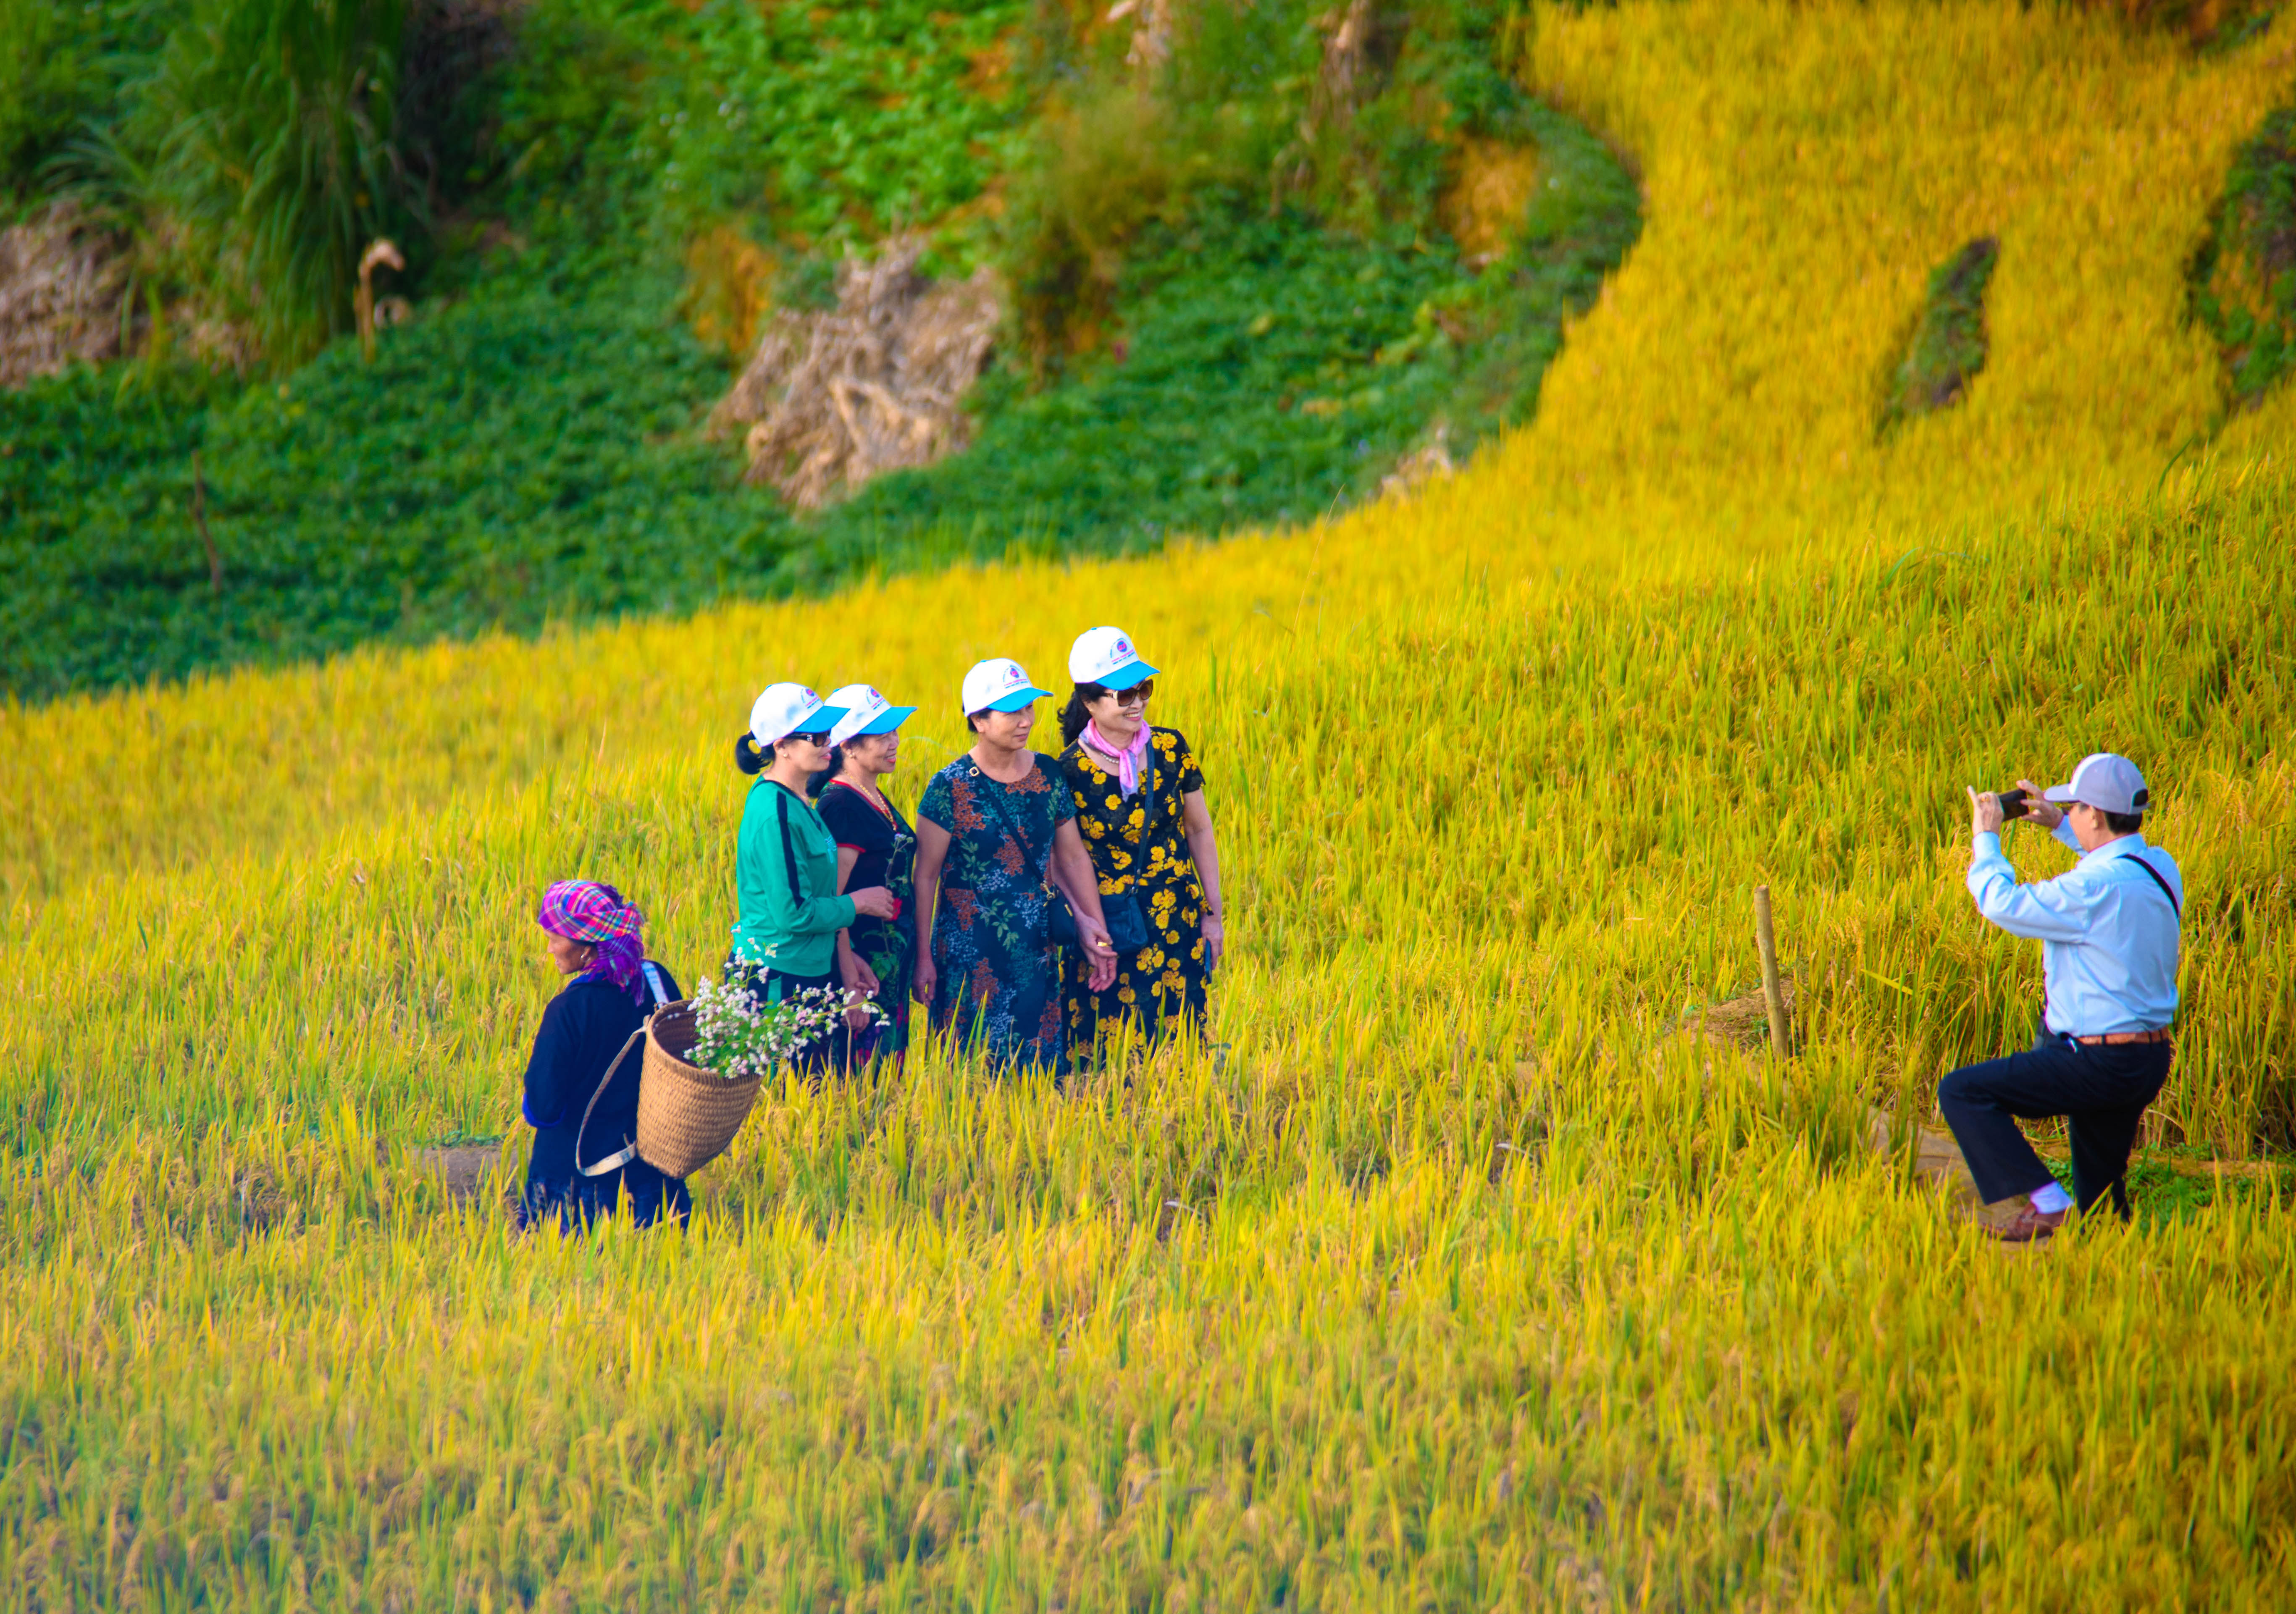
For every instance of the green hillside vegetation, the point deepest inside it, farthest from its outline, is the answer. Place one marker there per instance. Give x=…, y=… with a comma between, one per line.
x=1219, y=320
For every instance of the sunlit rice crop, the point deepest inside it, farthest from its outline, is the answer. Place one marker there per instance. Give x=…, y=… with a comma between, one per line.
x=1446, y=1272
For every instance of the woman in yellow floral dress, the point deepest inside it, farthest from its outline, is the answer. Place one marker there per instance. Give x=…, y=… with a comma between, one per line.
x=1140, y=808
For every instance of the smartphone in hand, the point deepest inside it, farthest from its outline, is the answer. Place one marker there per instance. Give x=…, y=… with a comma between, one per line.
x=2013, y=805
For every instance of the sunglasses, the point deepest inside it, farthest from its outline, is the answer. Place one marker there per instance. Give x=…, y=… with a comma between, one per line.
x=819, y=738
x=1137, y=695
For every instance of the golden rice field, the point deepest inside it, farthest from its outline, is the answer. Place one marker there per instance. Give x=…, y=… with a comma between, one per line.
x=1444, y=1276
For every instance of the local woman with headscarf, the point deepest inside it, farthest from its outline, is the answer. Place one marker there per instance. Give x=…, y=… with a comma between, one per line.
x=596, y=938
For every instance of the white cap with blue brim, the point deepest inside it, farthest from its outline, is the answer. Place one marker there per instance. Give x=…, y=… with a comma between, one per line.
x=1104, y=656
x=867, y=712
x=791, y=708
x=999, y=686
x=2107, y=782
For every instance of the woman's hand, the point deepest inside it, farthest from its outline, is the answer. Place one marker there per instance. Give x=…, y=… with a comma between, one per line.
x=861, y=984
x=1214, y=940
x=1099, y=951
x=922, y=979
x=875, y=901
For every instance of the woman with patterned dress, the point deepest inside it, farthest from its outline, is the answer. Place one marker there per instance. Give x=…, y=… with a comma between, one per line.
x=875, y=847
x=995, y=834
x=1140, y=808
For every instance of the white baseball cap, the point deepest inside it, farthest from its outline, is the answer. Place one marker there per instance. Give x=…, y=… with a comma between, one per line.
x=2107, y=782
x=1104, y=656
x=867, y=712
x=791, y=708
x=999, y=686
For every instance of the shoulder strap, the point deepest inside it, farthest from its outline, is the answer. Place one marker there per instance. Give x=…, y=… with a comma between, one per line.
x=789, y=847
x=612, y=1162
x=653, y=982
x=1148, y=829
x=2176, y=908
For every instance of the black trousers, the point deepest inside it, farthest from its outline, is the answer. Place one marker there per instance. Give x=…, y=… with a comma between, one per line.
x=2101, y=1092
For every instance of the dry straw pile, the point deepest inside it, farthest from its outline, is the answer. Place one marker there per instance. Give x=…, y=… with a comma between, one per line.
x=832, y=398
x=60, y=290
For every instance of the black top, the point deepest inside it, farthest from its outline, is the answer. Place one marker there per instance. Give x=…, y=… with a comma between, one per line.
x=583, y=1029
x=881, y=841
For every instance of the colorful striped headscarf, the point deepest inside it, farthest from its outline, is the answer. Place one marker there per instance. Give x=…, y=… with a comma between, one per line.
x=583, y=910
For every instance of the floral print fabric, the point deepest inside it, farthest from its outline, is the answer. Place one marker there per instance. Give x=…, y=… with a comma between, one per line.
x=997, y=972
x=1145, y=850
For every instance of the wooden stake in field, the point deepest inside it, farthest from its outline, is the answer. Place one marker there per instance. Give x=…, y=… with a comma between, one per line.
x=382, y=254
x=1766, y=938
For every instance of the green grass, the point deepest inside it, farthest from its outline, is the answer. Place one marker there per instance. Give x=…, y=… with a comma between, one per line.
x=1946, y=346
x=2243, y=279
x=532, y=453
x=522, y=456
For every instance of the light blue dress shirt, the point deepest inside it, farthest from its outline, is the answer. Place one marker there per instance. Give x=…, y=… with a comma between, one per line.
x=2108, y=935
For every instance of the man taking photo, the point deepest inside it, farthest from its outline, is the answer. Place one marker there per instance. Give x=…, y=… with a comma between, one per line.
x=2108, y=935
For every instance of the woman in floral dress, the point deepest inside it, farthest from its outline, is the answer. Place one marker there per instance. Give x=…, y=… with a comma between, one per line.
x=1140, y=806
x=995, y=834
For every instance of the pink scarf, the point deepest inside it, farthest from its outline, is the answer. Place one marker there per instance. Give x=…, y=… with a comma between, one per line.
x=1129, y=761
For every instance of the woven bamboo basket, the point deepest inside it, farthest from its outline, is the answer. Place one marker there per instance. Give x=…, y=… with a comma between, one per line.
x=686, y=1117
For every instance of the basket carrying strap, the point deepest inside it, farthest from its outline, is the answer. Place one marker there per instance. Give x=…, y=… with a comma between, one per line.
x=620, y=1156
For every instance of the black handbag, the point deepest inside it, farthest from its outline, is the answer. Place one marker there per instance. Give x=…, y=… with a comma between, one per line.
x=1120, y=911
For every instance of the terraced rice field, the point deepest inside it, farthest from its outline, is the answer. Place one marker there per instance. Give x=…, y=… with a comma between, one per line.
x=1449, y=1270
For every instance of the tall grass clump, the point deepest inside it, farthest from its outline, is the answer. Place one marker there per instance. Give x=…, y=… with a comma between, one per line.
x=271, y=127
x=1352, y=115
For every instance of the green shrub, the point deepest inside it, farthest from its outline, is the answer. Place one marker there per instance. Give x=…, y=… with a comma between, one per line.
x=1946, y=346
x=525, y=455
x=2243, y=278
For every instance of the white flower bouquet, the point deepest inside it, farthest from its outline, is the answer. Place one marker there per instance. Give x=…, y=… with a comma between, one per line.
x=737, y=1038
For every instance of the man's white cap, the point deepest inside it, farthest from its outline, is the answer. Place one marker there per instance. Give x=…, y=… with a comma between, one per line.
x=867, y=712
x=1104, y=656
x=999, y=686
x=2107, y=782
x=791, y=708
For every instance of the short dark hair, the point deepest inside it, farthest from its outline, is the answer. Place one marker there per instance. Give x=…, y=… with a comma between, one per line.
x=2123, y=824
x=973, y=719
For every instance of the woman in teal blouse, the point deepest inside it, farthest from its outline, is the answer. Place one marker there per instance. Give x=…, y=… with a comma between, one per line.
x=785, y=864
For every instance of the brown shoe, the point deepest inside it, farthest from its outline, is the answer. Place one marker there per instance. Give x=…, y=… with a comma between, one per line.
x=2027, y=1226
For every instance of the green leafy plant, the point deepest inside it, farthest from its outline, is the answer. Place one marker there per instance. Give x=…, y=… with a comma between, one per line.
x=1946, y=346
x=2243, y=279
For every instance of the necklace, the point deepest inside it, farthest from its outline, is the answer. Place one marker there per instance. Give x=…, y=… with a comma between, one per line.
x=870, y=794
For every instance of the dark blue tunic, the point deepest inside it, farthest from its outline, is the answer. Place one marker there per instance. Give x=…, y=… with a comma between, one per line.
x=582, y=1030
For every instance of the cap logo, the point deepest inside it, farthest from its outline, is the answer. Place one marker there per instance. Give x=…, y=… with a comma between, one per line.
x=1011, y=674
